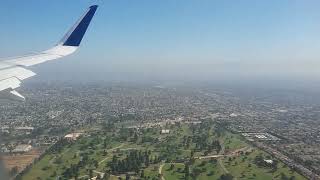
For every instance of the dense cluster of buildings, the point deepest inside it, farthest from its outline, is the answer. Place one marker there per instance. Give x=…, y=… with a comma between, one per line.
x=252, y=136
x=21, y=148
x=283, y=123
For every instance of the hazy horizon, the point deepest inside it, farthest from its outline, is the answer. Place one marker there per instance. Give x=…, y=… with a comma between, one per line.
x=171, y=40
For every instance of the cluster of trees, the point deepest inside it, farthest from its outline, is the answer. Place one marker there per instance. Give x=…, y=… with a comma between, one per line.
x=58, y=146
x=202, y=143
x=285, y=177
x=186, y=141
x=196, y=171
x=72, y=171
x=226, y=177
x=133, y=162
x=186, y=170
x=146, y=139
x=125, y=133
x=128, y=117
x=109, y=125
x=221, y=128
x=54, y=149
x=215, y=144
x=200, y=136
x=260, y=162
x=85, y=161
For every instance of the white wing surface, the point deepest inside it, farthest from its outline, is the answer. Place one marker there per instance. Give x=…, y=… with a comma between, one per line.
x=13, y=70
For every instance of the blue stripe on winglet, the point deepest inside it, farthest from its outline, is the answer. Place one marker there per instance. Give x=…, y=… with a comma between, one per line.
x=77, y=34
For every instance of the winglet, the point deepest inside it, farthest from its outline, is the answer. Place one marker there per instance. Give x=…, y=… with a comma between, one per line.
x=76, y=33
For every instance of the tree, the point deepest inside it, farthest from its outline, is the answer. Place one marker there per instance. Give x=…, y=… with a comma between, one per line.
x=90, y=173
x=105, y=143
x=13, y=171
x=54, y=174
x=106, y=176
x=58, y=160
x=292, y=178
x=135, y=137
x=226, y=177
x=283, y=176
x=98, y=177
x=127, y=177
x=210, y=173
x=142, y=174
x=274, y=165
x=146, y=158
x=95, y=163
x=186, y=171
x=196, y=172
x=258, y=160
x=171, y=167
x=133, y=162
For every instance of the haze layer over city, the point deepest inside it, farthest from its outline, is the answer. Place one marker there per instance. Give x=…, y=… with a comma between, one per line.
x=165, y=40
x=165, y=90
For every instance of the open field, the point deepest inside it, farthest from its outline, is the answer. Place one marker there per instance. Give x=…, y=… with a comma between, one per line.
x=174, y=172
x=20, y=160
x=243, y=167
x=202, y=151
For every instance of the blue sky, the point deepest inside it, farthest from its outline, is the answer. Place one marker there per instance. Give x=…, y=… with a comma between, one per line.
x=163, y=39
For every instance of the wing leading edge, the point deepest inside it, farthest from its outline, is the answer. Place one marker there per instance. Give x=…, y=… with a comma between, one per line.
x=12, y=71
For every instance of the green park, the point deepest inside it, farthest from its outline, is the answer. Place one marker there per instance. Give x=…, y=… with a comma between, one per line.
x=201, y=151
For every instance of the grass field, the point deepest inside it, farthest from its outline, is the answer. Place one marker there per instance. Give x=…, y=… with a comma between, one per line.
x=211, y=169
x=179, y=147
x=233, y=141
x=243, y=167
x=173, y=173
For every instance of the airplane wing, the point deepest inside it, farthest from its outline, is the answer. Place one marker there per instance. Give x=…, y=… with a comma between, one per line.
x=14, y=70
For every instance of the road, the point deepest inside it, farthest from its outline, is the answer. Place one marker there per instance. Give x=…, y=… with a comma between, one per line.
x=111, y=150
x=160, y=171
x=219, y=159
x=209, y=157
